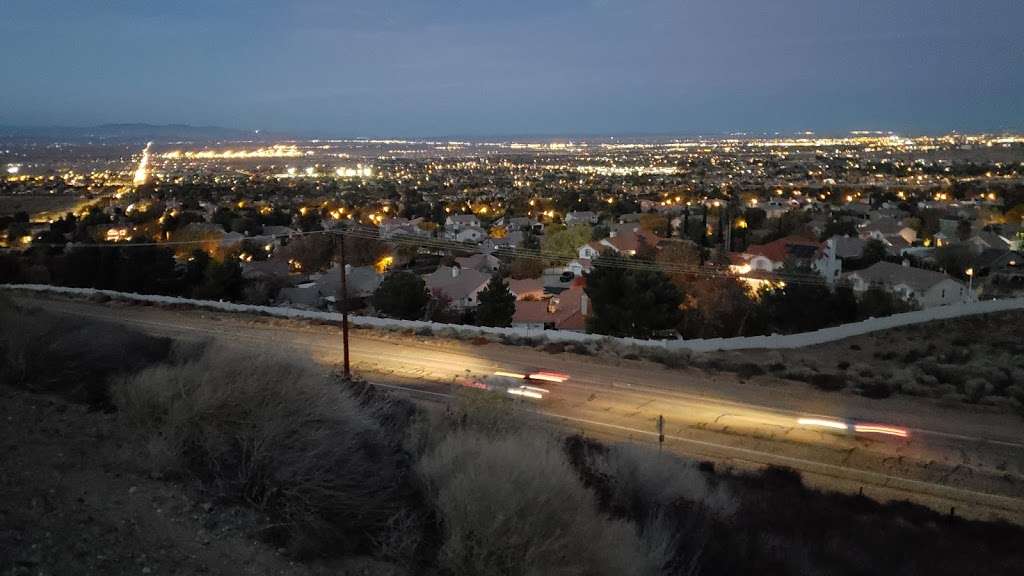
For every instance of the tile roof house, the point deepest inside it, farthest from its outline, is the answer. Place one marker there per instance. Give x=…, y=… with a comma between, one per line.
x=462, y=286
x=566, y=311
x=527, y=288
x=626, y=239
x=773, y=255
x=925, y=287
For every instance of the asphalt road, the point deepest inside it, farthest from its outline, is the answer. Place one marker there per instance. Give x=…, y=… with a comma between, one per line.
x=952, y=458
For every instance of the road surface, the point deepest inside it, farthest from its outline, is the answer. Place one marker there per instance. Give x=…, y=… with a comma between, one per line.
x=952, y=458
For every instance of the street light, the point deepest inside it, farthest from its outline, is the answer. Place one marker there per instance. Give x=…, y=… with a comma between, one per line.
x=970, y=282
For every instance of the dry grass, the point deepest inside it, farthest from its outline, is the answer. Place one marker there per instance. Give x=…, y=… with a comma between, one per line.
x=46, y=353
x=273, y=434
x=514, y=505
x=646, y=481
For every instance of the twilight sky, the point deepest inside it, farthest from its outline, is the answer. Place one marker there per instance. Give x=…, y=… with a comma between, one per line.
x=516, y=67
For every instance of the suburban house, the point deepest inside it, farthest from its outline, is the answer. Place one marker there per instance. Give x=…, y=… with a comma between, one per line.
x=456, y=222
x=894, y=235
x=580, y=218
x=274, y=236
x=985, y=240
x=322, y=290
x=1001, y=267
x=774, y=255
x=625, y=239
x=846, y=248
x=396, y=227
x=510, y=240
x=272, y=269
x=361, y=282
x=470, y=234
x=565, y=311
x=579, y=266
x=927, y=288
x=527, y=288
x=486, y=263
x=591, y=250
x=462, y=286
x=520, y=224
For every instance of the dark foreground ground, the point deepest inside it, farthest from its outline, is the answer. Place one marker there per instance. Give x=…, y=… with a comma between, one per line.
x=79, y=494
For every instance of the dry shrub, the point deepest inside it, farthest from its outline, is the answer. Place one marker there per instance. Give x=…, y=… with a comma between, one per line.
x=47, y=353
x=486, y=412
x=555, y=347
x=271, y=434
x=645, y=481
x=828, y=381
x=514, y=505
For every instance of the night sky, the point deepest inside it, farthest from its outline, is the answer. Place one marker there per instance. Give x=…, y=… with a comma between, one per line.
x=522, y=67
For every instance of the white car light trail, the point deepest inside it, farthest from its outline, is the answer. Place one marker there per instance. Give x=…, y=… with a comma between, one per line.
x=524, y=392
x=511, y=375
x=549, y=376
x=822, y=423
x=880, y=429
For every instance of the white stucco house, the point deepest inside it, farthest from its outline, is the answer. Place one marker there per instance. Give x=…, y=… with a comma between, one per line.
x=926, y=288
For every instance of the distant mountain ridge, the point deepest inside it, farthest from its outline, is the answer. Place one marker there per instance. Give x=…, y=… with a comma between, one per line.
x=130, y=132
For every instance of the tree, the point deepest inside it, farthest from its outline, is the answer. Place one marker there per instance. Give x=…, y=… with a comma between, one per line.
x=720, y=307
x=195, y=268
x=148, y=270
x=629, y=302
x=955, y=259
x=221, y=281
x=565, y=243
x=521, y=268
x=655, y=223
x=877, y=302
x=402, y=295
x=874, y=251
x=497, y=304
x=599, y=232
x=963, y=229
x=676, y=255
x=313, y=252
x=839, y=228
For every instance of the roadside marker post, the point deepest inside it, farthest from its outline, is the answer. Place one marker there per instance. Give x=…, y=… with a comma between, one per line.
x=661, y=431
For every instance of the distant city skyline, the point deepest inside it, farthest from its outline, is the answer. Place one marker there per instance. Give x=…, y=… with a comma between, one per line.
x=577, y=68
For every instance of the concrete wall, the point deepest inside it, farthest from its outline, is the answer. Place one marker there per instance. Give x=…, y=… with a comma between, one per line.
x=753, y=342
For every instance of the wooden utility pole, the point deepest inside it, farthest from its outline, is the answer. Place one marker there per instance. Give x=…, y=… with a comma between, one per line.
x=344, y=309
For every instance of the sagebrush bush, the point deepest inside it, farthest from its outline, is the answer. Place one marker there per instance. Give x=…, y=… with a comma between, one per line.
x=513, y=505
x=975, y=389
x=269, y=433
x=645, y=481
x=75, y=358
x=828, y=381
